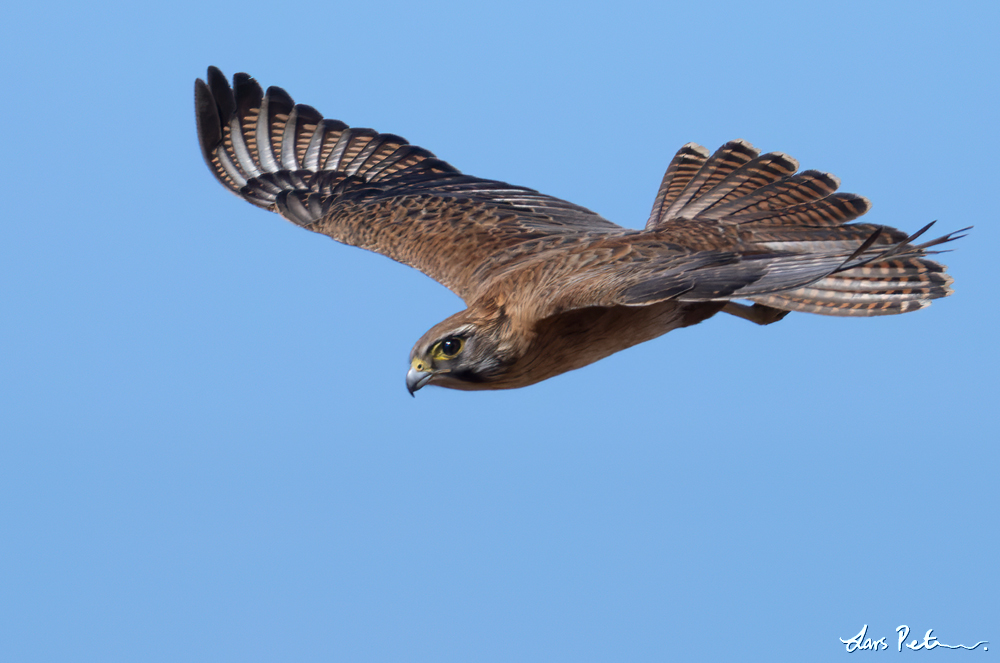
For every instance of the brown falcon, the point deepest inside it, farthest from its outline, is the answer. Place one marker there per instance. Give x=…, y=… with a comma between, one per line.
x=551, y=286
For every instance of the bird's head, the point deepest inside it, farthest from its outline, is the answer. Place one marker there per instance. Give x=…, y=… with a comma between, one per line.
x=465, y=352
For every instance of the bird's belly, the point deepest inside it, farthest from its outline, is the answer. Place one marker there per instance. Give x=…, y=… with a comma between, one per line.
x=573, y=340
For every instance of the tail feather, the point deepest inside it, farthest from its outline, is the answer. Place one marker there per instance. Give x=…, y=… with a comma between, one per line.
x=822, y=239
x=797, y=224
x=895, y=286
x=806, y=187
x=735, y=186
x=834, y=210
x=841, y=308
x=685, y=165
x=728, y=158
x=694, y=182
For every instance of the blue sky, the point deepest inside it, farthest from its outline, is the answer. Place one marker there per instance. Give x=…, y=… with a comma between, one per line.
x=208, y=453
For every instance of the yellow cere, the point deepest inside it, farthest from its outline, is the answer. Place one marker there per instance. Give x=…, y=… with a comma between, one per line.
x=418, y=365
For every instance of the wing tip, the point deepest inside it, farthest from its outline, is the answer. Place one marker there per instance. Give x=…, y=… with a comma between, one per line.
x=206, y=115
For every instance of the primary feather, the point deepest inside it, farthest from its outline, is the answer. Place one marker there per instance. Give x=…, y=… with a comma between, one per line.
x=534, y=269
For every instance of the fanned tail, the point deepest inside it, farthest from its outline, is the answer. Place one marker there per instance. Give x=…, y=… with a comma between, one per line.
x=886, y=282
x=786, y=218
x=694, y=181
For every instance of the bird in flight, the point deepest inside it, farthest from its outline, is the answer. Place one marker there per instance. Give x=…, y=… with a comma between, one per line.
x=551, y=286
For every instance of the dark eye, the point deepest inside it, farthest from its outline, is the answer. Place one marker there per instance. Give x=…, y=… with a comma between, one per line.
x=448, y=348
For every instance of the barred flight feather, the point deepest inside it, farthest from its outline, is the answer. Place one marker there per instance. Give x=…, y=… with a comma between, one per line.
x=550, y=285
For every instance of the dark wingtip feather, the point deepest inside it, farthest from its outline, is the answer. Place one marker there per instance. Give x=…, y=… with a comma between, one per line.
x=278, y=95
x=243, y=82
x=258, y=145
x=222, y=93
x=247, y=92
x=207, y=117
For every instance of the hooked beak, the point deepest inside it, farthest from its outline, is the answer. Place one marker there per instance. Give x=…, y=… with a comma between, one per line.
x=416, y=379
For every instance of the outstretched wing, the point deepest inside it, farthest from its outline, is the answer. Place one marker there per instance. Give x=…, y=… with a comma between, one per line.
x=372, y=190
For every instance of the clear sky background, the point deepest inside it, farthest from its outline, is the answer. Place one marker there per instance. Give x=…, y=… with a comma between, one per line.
x=208, y=453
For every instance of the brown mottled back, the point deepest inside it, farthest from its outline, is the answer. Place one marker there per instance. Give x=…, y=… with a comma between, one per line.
x=550, y=285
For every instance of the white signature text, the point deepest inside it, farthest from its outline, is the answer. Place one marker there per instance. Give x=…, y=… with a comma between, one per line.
x=861, y=642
